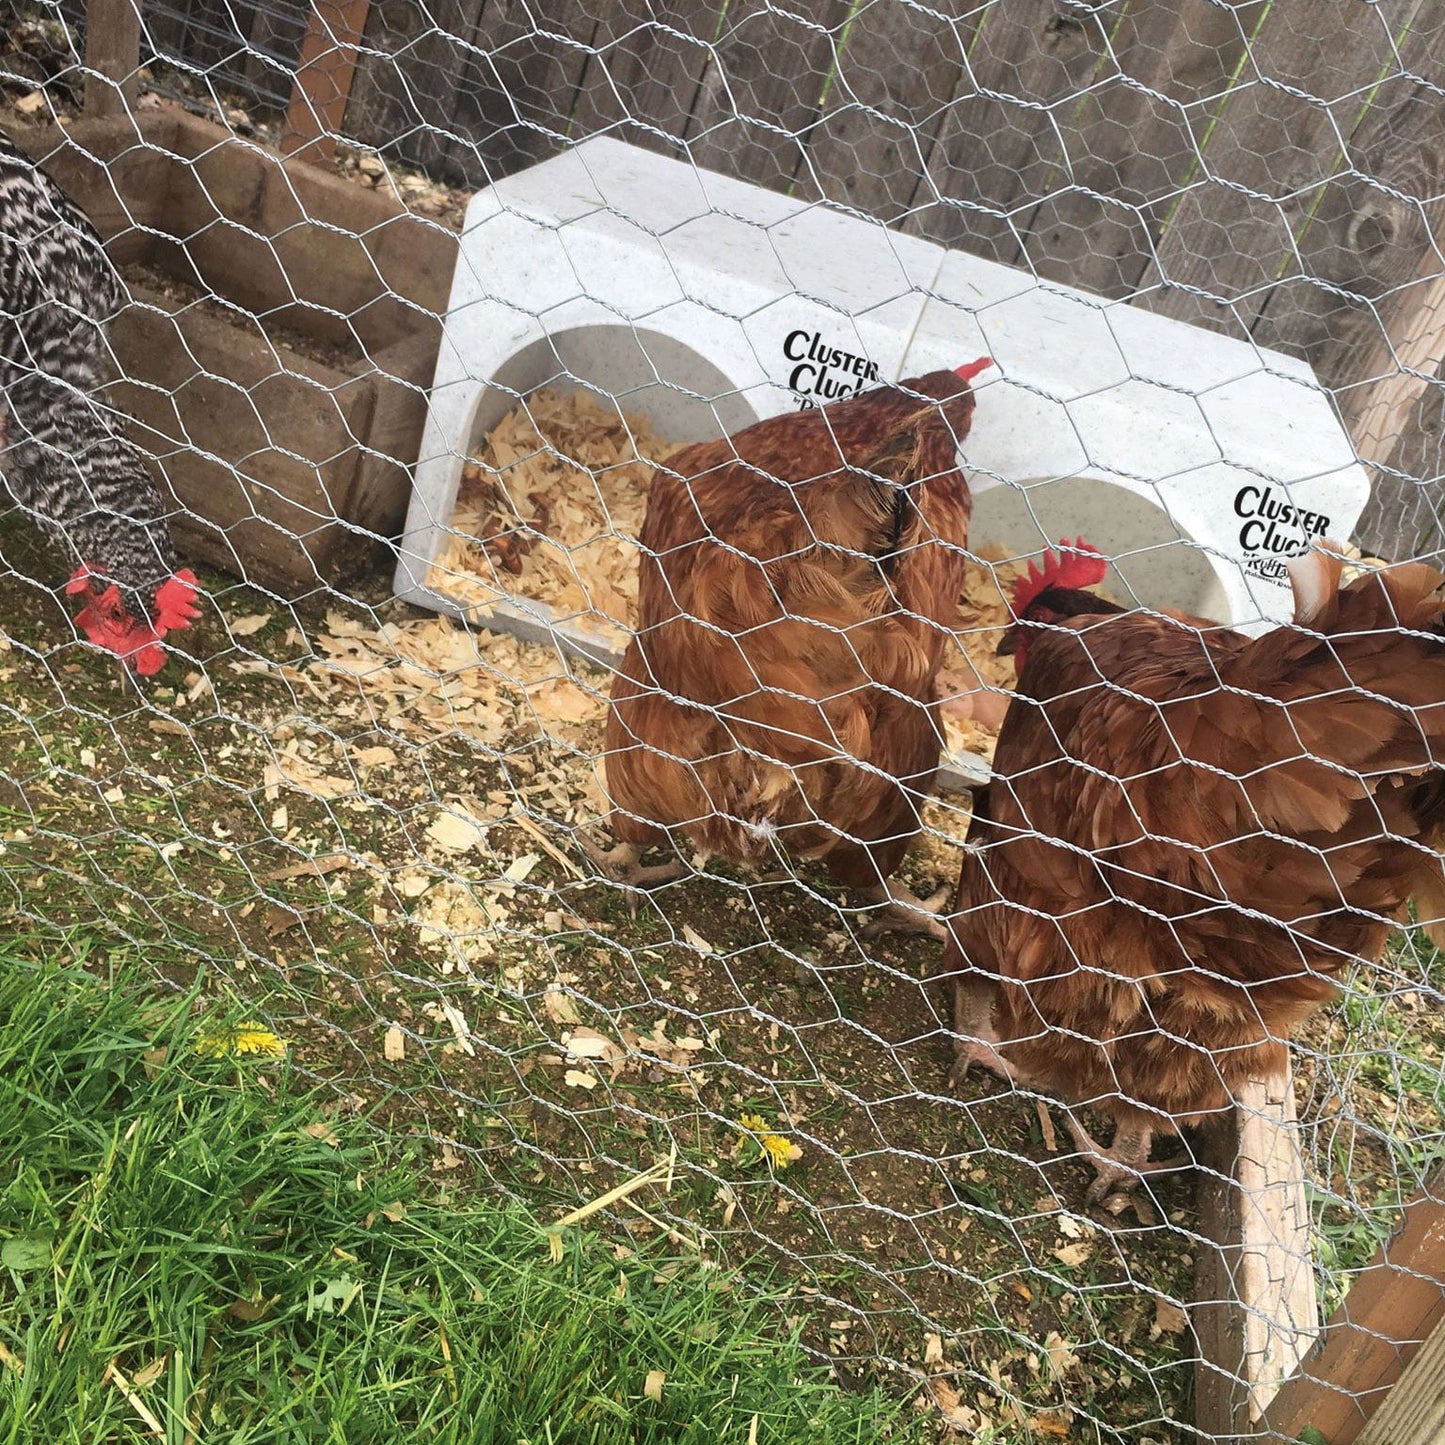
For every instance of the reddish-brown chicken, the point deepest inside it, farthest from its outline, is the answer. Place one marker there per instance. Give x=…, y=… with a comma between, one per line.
x=1189, y=835
x=799, y=585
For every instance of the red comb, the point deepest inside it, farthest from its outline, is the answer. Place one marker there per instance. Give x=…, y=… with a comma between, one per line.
x=176, y=604
x=80, y=579
x=1083, y=568
x=973, y=368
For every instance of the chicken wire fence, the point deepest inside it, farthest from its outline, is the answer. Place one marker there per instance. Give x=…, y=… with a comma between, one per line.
x=389, y=833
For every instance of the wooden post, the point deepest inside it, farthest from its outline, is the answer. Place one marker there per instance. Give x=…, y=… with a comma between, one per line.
x=1255, y=1313
x=1417, y=342
x=112, y=56
x=324, y=74
x=1414, y=1411
x=1395, y=1304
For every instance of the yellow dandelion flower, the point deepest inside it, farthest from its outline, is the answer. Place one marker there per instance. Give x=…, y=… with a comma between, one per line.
x=240, y=1040
x=780, y=1152
x=759, y=1142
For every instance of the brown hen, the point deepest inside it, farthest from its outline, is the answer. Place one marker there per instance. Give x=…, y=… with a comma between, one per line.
x=799, y=586
x=1189, y=835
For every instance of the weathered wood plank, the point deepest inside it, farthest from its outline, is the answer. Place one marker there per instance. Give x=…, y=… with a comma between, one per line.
x=112, y=57
x=1276, y=139
x=1405, y=517
x=324, y=74
x=1396, y=1302
x=998, y=148
x=642, y=79
x=1414, y=1411
x=898, y=67
x=762, y=87
x=518, y=85
x=404, y=94
x=1130, y=142
x=1363, y=254
x=1255, y=1312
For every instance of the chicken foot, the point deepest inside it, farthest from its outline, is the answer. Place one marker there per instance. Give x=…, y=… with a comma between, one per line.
x=975, y=1038
x=1120, y=1168
x=622, y=864
x=904, y=912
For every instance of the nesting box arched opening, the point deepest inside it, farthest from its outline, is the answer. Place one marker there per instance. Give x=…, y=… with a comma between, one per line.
x=1196, y=462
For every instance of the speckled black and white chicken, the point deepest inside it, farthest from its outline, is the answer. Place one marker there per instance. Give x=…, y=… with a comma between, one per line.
x=63, y=454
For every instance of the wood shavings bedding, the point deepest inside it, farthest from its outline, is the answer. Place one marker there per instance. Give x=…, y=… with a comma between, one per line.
x=551, y=507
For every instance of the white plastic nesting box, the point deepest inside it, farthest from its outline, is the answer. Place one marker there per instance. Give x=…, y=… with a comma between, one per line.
x=1195, y=461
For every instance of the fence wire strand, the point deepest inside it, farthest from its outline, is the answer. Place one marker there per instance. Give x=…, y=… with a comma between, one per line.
x=561, y=948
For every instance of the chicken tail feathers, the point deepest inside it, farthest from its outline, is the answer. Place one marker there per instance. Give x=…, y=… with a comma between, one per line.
x=1314, y=578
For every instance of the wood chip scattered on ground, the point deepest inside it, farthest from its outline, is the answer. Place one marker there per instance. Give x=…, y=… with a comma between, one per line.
x=550, y=509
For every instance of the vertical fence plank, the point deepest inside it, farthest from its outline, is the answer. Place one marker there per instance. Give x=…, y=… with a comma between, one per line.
x=1255, y=1313
x=404, y=95
x=1311, y=67
x=998, y=149
x=1129, y=144
x=1360, y=257
x=1391, y=1309
x=324, y=74
x=762, y=87
x=642, y=79
x=518, y=85
x=898, y=67
x=112, y=56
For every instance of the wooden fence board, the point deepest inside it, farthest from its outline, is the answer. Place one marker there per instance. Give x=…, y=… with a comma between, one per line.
x=1405, y=517
x=405, y=93
x=324, y=72
x=898, y=67
x=642, y=80
x=112, y=55
x=762, y=87
x=1309, y=72
x=518, y=85
x=1395, y=1303
x=1413, y=1413
x=998, y=147
x=1371, y=227
x=1255, y=1313
x=1132, y=139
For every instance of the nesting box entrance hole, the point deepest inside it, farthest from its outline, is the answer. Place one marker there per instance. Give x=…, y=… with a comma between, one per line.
x=1149, y=564
x=555, y=523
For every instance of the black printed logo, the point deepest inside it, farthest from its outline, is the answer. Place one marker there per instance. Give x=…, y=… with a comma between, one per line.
x=823, y=373
x=1274, y=530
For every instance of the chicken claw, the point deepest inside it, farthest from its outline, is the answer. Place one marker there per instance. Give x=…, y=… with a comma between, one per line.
x=622, y=865
x=904, y=912
x=1121, y=1168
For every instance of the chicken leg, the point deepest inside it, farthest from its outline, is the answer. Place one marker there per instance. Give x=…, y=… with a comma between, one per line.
x=904, y=912
x=622, y=864
x=975, y=1038
x=1120, y=1168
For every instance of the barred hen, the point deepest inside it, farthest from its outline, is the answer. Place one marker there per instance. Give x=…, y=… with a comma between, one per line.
x=65, y=459
x=799, y=586
x=1189, y=835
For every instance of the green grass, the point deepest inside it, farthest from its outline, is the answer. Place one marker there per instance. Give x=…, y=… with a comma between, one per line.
x=261, y=1267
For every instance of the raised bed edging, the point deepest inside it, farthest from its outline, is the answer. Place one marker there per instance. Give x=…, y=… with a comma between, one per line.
x=287, y=469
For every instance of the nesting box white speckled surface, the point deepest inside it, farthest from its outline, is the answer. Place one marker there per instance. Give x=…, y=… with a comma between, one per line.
x=1197, y=462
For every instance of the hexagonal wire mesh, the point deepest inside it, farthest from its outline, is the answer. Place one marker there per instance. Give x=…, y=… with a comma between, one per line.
x=388, y=831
